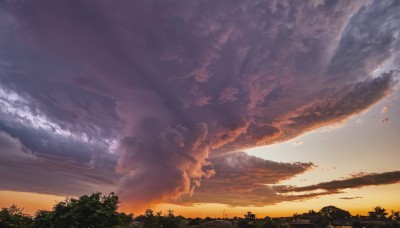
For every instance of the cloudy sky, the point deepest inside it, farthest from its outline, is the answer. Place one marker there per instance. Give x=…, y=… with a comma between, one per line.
x=273, y=106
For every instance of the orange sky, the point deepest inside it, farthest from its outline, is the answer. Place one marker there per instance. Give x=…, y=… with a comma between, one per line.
x=389, y=200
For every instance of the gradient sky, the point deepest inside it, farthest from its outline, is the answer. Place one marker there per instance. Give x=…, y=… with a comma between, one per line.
x=201, y=106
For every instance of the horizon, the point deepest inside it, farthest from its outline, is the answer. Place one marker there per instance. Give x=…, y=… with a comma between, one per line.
x=272, y=107
x=226, y=211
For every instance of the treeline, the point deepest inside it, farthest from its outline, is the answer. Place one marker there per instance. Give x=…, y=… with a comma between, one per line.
x=100, y=211
x=95, y=210
x=378, y=217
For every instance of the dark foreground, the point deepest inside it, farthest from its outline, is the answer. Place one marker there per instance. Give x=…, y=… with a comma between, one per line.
x=100, y=211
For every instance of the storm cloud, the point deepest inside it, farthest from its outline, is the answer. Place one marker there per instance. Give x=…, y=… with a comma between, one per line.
x=21, y=170
x=154, y=94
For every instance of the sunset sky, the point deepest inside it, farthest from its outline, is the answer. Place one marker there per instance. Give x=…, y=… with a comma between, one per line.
x=274, y=107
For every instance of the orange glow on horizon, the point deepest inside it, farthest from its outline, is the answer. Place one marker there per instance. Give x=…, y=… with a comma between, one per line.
x=31, y=202
x=371, y=197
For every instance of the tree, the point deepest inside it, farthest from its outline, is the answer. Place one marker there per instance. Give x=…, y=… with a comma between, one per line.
x=311, y=213
x=395, y=216
x=124, y=219
x=62, y=215
x=195, y=222
x=160, y=220
x=149, y=219
x=332, y=213
x=268, y=223
x=170, y=213
x=242, y=223
x=86, y=211
x=14, y=217
x=148, y=213
x=172, y=222
x=378, y=213
x=395, y=219
x=249, y=216
x=42, y=219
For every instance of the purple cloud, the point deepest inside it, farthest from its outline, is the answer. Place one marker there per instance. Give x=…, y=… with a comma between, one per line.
x=157, y=90
x=243, y=180
x=22, y=170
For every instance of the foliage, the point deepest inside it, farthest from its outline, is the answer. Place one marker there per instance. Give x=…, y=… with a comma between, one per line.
x=195, y=222
x=249, y=216
x=378, y=213
x=272, y=223
x=242, y=223
x=42, y=219
x=86, y=211
x=159, y=220
x=395, y=216
x=124, y=219
x=14, y=217
x=332, y=213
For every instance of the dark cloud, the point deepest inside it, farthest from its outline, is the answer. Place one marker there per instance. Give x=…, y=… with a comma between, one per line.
x=22, y=170
x=354, y=182
x=178, y=82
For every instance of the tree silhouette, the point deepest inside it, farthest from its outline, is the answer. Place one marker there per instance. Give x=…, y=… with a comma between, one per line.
x=249, y=216
x=159, y=220
x=378, y=213
x=148, y=213
x=170, y=213
x=311, y=213
x=42, y=219
x=87, y=211
x=395, y=216
x=149, y=218
x=14, y=217
x=332, y=213
x=195, y=222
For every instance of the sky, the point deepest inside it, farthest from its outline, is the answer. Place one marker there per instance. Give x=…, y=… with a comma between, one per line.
x=276, y=107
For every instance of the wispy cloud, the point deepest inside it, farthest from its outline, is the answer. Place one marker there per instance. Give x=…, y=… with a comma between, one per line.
x=358, y=181
x=350, y=198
